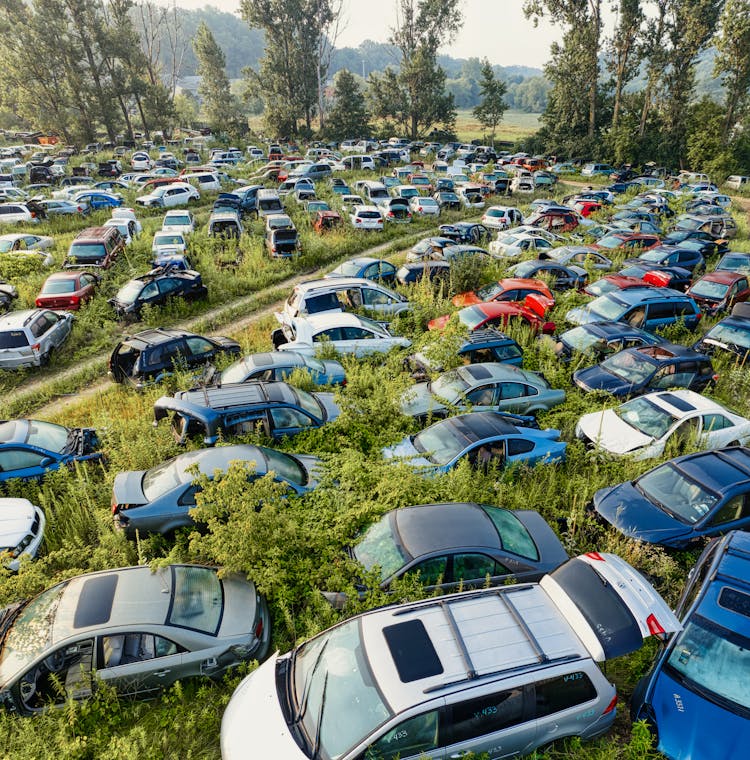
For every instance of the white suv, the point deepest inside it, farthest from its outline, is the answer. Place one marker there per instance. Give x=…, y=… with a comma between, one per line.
x=166, y=196
x=366, y=218
x=28, y=338
x=15, y=213
x=500, y=671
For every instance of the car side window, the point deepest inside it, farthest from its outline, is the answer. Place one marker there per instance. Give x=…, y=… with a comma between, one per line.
x=411, y=738
x=335, y=333
x=511, y=391
x=284, y=417
x=357, y=333
x=199, y=346
x=518, y=446
x=736, y=508
x=168, y=285
x=127, y=648
x=713, y=422
x=19, y=459
x=64, y=674
x=473, y=565
x=374, y=297
x=484, y=396
x=431, y=571
x=150, y=291
x=486, y=715
x=556, y=694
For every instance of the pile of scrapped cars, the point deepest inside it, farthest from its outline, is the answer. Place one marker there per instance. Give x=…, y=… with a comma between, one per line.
x=505, y=652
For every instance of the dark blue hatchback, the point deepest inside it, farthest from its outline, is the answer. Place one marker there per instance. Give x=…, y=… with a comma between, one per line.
x=696, y=699
x=684, y=500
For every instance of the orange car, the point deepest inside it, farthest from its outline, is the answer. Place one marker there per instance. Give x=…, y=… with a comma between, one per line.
x=509, y=289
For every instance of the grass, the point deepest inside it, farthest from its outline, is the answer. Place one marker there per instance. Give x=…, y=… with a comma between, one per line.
x=515, y=126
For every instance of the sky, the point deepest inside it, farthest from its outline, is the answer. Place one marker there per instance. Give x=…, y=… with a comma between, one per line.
x=496, y=29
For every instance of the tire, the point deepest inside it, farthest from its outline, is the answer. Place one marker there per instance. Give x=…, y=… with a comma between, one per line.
x=45, y=358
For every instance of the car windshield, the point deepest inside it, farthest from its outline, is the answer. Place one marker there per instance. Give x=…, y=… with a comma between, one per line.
x=286, y=467
x=87, y=252
x=56, y=286
x=440, y=443
x=712, y=661
x=6, y=245
x=676, y=494
x=607, y=309
x=31, y=632
x=380, y=547
x=653, y=257
x=350, y=268
x=374, y=326
x=513, y=534
x=580, y=339
x=730, y=334
x=601, y=287
x=525, y=269
x=168, y=239
x=739, y=262
x=45, y=435
x=708, y=289
x=175, y=219
x=472, y=316
x=610, y=241
x=308, y=403
x=331, y=673
x=129, y=292
x=449, y=386
x=488, y=292
x=164, y=477
x=629, y=366
x=645, y=417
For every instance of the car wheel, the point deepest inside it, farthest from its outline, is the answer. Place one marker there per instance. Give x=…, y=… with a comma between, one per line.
x=45, y=358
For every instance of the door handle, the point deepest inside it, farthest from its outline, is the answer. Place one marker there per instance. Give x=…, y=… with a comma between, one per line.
x=161, y=673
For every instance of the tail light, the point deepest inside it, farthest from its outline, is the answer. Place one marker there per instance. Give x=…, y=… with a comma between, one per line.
x=699, y=315
x=612, y=706
x=715, y=377
x=357, y=220
x=38, y=303
x=390, y=213
x=74, y=300
x=259, y=629
x=33, y=214
x=654, y=626
x=36, y=346
x=598, y=557
x=80, y=209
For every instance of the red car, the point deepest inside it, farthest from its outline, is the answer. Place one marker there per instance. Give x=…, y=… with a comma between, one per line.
x=627, y=240
x=719, y=291
x=586, y=207
x=509, y=289
x=554, y=220
x=501, y=314
x=67, y=290
x=611, y=282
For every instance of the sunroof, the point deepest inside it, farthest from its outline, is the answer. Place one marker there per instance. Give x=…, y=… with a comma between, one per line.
x=412, y=651
x=478, y=372
x=95, y=602
x=677, y=402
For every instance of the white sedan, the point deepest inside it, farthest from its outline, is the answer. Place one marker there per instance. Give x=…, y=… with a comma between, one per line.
x=425, y=206
x=516, y=244
x=166, y=196
x=347, y=333
x=644, y=426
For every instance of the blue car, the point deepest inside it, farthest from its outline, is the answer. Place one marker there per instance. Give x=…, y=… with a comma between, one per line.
x=378, y=270
x=483, y=438
x=278, y=365
x=696, y=698
x=732, y=334
x=31, y=448
x=648, y=308
x=673, y=255
x=734, y=261
x=648, y=368
x=99, y=200
x=684, y=500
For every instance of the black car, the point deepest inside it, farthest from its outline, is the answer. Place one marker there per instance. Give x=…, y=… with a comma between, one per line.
x=679, y=236
x=732, y=334
x=661, y=275
x=447, y=199
x=563, y=278
x=674, y=256
x=649, y=368
x=465, y=232
x=151, y=355
x=600, y=339
x=155, y=288
x=455, y=546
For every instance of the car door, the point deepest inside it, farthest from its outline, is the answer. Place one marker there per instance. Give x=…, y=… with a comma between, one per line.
x=414, y=738
x=24, y=463
x=287, y=420
x=732, y=513
x=511, y=397
x=482, y=398
x=491, y=721
x=362, y=342
x=199, y=350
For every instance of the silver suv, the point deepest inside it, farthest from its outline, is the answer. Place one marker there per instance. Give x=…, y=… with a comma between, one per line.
x=499, y=671
x=28, y=338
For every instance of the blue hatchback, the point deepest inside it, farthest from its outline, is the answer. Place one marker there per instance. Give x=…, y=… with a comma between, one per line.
x=679, y=503
x=696, y=699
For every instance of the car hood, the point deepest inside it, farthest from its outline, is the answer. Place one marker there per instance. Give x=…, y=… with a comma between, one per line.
x=253, y=716
x=16, y=517
x=406, y=450
x=611, y=433
x=127, y=488
x=624, y=507
x=597, y=379
x=418, y=401
x=466, y=299
x=682, y=718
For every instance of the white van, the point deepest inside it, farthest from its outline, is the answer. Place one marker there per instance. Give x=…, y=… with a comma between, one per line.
x=737, y=182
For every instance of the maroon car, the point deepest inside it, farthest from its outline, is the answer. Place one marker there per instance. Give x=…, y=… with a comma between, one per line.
x=67, y=290
x=720, y=291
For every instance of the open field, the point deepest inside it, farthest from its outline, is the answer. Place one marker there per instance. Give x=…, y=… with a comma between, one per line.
x=516, y=125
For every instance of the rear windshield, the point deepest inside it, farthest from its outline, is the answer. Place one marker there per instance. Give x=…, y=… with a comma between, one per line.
x=13, y=339
x=601, y=606
x=285, y=235
x=53, y=287
x=197, y=600
x=87, y=251
x=369, y=215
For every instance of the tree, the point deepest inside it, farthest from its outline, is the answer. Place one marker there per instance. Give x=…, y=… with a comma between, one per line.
x=348, y=117
x=219, y=107
x=415, y=97
x=732, y=62
x=489, y=112
x=623, y=57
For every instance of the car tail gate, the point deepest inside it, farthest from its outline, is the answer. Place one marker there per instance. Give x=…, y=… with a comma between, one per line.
x=611, y=606
x=539, y=303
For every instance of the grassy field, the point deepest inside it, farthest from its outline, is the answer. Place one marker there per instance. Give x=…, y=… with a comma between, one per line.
x=516, y=125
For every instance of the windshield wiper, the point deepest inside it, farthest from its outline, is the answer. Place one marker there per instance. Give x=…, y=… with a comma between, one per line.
x=319, y=722
x=308, y=682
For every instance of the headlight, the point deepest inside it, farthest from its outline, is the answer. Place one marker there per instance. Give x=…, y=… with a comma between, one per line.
x=22, y=545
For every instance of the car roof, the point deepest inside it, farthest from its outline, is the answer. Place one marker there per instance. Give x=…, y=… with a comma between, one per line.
x=155, y=336
x=481, y=371
x=13, y=319
x=719, y=470
x=426, y=528
x=483, y=336
x=325, y=320
x=240, y=395
x=680, y=403
x=647, y=293
x=476, y=426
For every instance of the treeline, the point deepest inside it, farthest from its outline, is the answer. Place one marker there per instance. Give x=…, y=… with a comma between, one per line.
x=632, y=96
